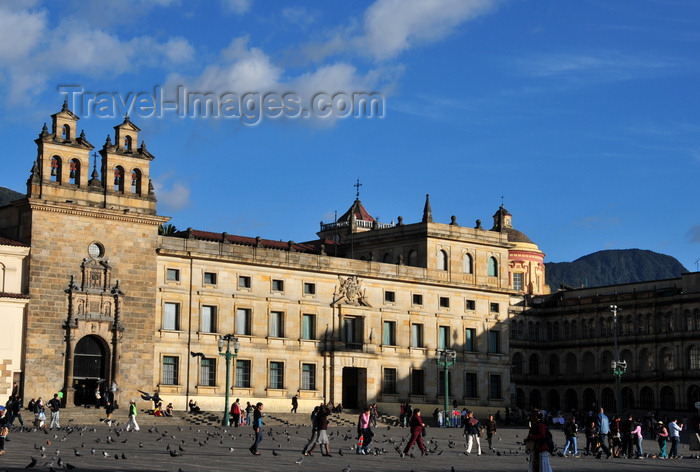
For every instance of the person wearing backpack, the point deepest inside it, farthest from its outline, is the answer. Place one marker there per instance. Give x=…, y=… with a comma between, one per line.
x=571, y=434
x=543, y=444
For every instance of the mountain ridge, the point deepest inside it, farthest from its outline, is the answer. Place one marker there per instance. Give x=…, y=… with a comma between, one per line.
x=613, y=267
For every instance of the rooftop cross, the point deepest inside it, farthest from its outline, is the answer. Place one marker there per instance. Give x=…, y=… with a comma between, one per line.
x=357, y=186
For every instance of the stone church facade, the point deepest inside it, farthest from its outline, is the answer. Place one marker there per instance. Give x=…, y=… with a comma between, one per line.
x=355, y=316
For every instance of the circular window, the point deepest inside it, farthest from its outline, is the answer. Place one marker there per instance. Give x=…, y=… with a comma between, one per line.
x=96, y=250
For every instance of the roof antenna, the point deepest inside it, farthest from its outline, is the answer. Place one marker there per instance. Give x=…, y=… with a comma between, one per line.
x=357, y=186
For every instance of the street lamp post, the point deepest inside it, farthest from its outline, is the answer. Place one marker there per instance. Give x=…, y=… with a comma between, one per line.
x=226, y=339
x=619, y=367
x=446, y=358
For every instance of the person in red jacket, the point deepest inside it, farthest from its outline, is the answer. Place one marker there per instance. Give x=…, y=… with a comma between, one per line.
x=540, y=444
x=417, y=425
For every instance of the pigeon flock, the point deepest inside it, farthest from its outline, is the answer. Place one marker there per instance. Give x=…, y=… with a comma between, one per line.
x=188, y=448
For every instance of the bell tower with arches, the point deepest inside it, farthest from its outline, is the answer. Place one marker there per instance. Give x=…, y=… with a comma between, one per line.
x=93, y=236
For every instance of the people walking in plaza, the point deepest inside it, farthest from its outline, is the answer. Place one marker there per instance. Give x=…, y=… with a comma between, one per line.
x=109, y=412
x=491, y=428
x=295, y=403
x=235, y=413
x=39, y=413
x=603, y=425
x=626, y=426
x=322, y=439
x=637, y=438
x=571, y=434
x=17, y=411
x=257, y=428
x=132, y=424
x=539, y=438
x=249, y=413
x=416, y=424
x=373, y=414
x=662, y=434
x=4, y=430
x=364, y=432
x=674, y=431
x=592, y=438
x=55, y=407
x=314, y=431
x=471, y=431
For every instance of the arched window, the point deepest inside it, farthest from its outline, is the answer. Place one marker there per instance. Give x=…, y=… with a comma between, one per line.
x=607, y=399
x=694, y=358
x=646, y=360
x=591, y=328
x=571, y=364
x=640, y=324
x=567, y=331
x=693, y=397
x=442, y=260
x=534, y=365
x=555, y=331
x=667, y=398
x=517, y=365
x=553, y=400
x=530, y=331
x=119, y=178
x=588, y=363
x=127, y=143
x=627, y=399
x=574, y=330
x=570, y=400
x=589, y=401
x=646, y=398
x=550, y=334
x=492, y=267
x=605, y=359
x=696, y=317
x=535, y=399
x=628, y=357
x=521, y=329
x=666, y=360
x=467, y=264
x=136, y=181
x=520, y=398
x=553, y=364
x=74, y=171
x=55, y=169
x=412, y=259
x=65, y=132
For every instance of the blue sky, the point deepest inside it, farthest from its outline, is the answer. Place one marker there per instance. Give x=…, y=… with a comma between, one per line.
x=582, y=115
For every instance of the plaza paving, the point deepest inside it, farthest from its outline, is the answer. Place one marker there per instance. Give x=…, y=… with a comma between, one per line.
x=176, y=444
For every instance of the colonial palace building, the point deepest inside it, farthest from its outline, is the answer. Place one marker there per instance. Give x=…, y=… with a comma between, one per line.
x=93, y=296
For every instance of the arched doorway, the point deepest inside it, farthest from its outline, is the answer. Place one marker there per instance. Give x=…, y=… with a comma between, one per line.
x=90, y=369
x=570, y=400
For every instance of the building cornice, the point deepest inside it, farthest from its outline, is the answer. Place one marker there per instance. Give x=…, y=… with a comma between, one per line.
x=98, y=213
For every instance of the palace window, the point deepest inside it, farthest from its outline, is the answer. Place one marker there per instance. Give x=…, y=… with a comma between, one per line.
x=276, y=324
x=389, y=296
x=494, y=341
x=492, y=268
x=277, y=285
x=308, y=376
x=470, y=339
x=444, y=337
x=308, y=326
x=467, y=265
x=172, y=275
x=171, y=316
x=417, y=299
x=470, y=385
x=518, y=281
x=276, y=375
x=208, y=372
x=389, y=338
x=309, y=288
x=208, y=319
x=243, y=321
x=242, y=373
x=416, y=335
x=170, y=370
x=495, y=389
x=244, y=282
x=210, y=278
x=389, y=381
x=417, y=382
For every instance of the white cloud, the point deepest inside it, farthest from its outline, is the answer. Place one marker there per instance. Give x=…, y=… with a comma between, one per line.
x=300, y=16
x=33, y=51
x=394, y=26
x=20, y=32
x=171, y=195
x=239, y=7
